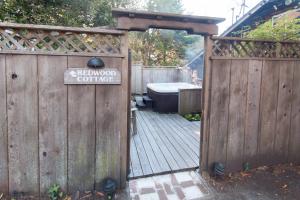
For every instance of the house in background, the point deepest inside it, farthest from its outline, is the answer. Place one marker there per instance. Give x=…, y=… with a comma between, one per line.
x=261, y=13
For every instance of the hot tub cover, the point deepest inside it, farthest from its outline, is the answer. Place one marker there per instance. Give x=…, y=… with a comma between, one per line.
x=170, y=87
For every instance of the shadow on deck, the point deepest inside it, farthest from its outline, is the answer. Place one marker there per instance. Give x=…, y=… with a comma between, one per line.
x=164, y=143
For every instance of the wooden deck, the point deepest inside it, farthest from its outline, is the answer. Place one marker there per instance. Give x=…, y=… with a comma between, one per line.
x=164, y=143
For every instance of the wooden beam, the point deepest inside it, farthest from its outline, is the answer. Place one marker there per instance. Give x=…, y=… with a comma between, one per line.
x=61, y=28
x=51, y=53
x=141, y=21
x=137, y=24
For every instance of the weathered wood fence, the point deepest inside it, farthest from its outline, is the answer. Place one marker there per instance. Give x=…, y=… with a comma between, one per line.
x=142, y=75
x=189, y=101
x=252, y=103
x=76, y=135
x=51, y=133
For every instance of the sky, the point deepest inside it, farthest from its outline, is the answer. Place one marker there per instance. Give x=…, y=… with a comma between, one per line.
x=217, y=8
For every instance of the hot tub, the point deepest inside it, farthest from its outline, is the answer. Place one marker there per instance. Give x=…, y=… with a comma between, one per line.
x=165, y=95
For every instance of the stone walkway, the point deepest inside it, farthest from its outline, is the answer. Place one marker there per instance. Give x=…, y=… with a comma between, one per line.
x=177, y=186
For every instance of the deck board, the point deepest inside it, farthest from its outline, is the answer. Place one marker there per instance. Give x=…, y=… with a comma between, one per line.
x=154, y=163
x=169, y=135
x=195, y=126
x=164, y=143
x=165, y=151
x=143, y=157
x=171, y=132
x=183, y=133
x=136, y=167
x=160, y=158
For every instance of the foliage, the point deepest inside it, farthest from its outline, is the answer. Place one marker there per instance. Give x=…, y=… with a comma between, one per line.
x=192, y=117
x=155, y=47
x=55, y=193
x=61, y=12
x=171, y=6
x=162, y=47
x=283, y=29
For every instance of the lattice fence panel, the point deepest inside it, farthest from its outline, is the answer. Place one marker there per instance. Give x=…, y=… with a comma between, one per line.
x=58, y=41
x=239, y=48
x=290, y=50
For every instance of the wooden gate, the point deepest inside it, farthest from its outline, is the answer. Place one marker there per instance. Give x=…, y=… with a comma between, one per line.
x=52, y=133
x=251, y=103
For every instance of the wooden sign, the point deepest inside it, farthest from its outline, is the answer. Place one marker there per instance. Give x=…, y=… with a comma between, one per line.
x=81, y=76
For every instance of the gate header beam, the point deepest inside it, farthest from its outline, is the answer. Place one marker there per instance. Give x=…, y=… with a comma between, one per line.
x=141, y=21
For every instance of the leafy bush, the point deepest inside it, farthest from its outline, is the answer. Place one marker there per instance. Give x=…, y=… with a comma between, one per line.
x=192, y=117
x=55, y=193
x=283, y=29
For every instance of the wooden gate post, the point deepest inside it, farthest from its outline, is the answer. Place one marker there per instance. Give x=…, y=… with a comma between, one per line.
x=126, y=78
x=206, y=96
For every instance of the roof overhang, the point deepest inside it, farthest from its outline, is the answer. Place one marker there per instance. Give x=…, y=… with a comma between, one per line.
x=141, y=21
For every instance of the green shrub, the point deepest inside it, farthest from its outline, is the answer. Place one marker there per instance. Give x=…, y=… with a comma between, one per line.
x=55, y=193
x=193, y=117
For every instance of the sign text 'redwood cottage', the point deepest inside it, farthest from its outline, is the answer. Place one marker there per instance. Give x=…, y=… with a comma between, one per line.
x=108, y=76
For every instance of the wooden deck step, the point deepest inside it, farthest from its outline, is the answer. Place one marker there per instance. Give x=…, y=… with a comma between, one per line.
x=148, y=101
x=139, y=102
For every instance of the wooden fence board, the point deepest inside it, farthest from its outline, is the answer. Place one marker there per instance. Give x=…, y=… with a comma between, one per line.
x=219, y=111
x=269, y=95
x=81, y=132
x=252, y=112
x=22, y=98
x=294, y=146
x=189, y=101
x=283, y=111
x=237, y=108
x=136, y=79
x=3, y=129
x=52, y=122
x=108, y=130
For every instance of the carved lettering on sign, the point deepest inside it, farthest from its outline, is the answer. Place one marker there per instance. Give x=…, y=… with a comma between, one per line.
x=80, y=76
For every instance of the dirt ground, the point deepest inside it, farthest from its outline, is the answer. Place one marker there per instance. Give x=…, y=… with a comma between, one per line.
x=87, y=195
x=263, y=183
x=280, y=182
